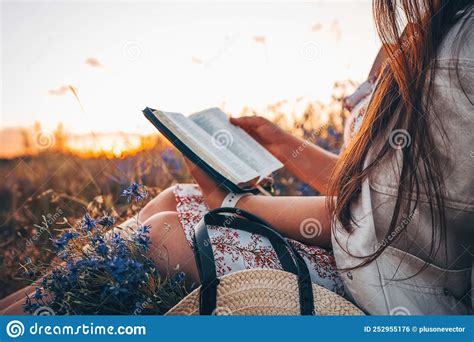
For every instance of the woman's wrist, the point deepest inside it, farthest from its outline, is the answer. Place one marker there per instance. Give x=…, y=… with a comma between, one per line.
x=214, y=198
x=285, y=147
x=282, y=148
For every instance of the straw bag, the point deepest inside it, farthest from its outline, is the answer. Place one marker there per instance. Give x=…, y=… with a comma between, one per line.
x=256, y=291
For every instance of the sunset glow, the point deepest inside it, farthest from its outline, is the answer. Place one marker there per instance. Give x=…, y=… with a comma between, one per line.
x=109, y=145
x=96, y=78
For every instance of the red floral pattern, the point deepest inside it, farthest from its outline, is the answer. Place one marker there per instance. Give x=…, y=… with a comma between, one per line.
x=357, y=103
x=238, y=250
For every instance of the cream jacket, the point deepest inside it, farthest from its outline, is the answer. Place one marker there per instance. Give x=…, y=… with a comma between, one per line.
x=386, y=286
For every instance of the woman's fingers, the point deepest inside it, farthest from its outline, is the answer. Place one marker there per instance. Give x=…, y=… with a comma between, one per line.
x=263, y=130
x=256, y=126
x=242, y=122
x=248, y=122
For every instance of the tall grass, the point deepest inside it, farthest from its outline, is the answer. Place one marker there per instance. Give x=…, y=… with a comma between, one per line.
x=44, y=192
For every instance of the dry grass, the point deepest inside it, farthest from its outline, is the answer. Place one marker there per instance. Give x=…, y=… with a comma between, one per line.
x=40, y=193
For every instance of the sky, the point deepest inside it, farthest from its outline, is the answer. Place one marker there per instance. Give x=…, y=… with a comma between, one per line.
x=95, y=66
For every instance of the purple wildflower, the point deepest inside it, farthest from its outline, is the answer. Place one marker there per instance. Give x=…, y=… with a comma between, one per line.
x=38, y=294
x=179, y=277
x=332, y=132
x=135, y=191
x=123, y=269
x=61, y=243
x=106, y=221
x=142, y=236
x=119, y=245
x=88, y=223
x=97, y=238
x=29, y=306
x=102, y=249
x=171, y=160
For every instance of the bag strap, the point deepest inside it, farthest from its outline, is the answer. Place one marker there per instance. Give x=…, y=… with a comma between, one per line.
x=206, y=268
x=286, y=254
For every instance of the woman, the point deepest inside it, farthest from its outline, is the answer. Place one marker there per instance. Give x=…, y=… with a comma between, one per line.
x=397, y=205
x=414, y=142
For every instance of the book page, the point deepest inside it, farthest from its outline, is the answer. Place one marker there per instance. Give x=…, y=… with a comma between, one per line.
x=200, y=142
x=215, y=122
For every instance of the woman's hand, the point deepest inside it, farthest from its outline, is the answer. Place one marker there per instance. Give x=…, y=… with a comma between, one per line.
x=265, y=132
x=310, y=163
x=213, y=194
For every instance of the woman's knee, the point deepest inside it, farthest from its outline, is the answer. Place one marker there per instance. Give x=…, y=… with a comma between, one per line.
x=164, y=225
x=169, y=248
x=164, y=201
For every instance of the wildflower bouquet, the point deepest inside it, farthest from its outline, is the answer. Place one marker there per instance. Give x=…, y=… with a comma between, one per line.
x=99, y=270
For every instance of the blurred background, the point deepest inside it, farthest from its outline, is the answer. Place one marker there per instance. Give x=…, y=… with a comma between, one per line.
x=76, y=75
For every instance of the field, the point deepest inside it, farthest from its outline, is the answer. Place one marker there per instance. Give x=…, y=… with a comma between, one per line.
x=40, y=193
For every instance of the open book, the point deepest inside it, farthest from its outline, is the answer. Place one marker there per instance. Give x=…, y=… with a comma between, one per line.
x=226, y=152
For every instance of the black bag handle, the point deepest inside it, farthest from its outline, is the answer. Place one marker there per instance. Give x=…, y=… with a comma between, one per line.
x=286, y=253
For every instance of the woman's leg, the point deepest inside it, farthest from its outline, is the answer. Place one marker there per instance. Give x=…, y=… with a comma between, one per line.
x=14, y=297
x=15, y=307
x=165, y=201
x=19, y=295
x=169, y=248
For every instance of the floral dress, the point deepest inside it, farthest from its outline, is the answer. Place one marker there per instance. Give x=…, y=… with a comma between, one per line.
x=236, y=250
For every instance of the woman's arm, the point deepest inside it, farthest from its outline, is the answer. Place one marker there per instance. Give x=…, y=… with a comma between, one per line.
x=304, y=219
x=310, y=163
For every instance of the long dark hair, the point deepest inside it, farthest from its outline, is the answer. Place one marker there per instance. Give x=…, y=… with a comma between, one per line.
x=411, y=32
